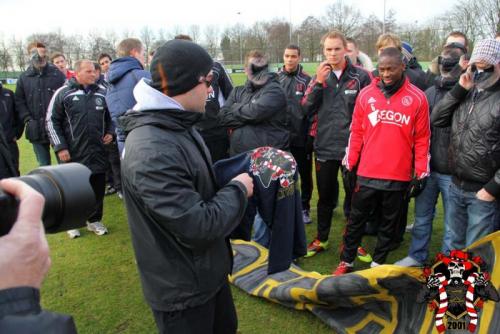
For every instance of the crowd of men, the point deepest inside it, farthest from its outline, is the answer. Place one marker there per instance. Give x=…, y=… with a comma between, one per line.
x=394, y=132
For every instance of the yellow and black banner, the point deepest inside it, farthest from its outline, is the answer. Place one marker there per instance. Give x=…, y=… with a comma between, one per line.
x=376, y=300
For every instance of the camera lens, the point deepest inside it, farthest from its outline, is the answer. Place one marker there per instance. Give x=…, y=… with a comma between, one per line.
x=69, y=198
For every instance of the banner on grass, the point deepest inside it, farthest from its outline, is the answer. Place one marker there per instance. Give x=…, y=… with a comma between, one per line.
x=377, y=300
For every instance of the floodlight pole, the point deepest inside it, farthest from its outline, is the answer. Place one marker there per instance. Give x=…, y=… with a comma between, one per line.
x=290, y=20
x=241, y=45
x=383, y=23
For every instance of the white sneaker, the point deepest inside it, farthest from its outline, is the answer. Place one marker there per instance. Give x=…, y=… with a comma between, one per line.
x=97, y=227
x=120, y=194
x=408, y=262
x=73, y=234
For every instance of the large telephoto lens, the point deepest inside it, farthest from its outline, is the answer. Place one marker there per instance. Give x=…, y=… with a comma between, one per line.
x=69, y=198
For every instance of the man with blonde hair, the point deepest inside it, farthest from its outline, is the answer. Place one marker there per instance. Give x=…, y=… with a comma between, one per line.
x=331, y=96
x=124, y=73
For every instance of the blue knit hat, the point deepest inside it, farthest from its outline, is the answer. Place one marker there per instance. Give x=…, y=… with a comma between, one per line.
x=407, y=51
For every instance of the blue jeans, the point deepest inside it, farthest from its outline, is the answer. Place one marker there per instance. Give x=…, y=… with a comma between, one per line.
x=425, y=210
x=262, y=233
x=42, y=153
x=470, y=218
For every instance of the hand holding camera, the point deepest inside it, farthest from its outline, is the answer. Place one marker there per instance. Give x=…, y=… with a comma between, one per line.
x=25, y=253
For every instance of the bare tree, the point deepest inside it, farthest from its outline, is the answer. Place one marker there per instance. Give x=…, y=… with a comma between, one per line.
x=257, y=36
x=278, y=38
x=147, y=38
x=343, y=17
x=309, y=35
x=212, y=40
x=19, y=52
x=368, y=34
x=5, y=57
x=194, y=32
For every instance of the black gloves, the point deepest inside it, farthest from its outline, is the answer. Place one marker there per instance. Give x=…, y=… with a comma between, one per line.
x=415, y=187
x=349, y=178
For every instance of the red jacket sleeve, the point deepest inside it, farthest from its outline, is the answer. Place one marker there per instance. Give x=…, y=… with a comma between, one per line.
x=422, y=137
x=355, y=143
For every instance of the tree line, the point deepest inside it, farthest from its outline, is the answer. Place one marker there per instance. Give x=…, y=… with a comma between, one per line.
x=478, y=19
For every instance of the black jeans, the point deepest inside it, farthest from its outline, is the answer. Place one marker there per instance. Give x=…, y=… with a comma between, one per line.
x=217, y=316
x=328, y=193
x=98, y=183
x=304, y=164
x=113, y=166
x=364, y=201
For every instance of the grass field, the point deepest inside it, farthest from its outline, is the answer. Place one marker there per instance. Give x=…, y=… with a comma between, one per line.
x=95, y=278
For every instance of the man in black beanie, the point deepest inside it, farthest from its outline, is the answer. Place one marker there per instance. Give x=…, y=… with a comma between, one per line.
x=180, y=220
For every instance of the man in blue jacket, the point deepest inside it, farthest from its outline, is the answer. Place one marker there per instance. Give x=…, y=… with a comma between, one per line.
x=124, y=73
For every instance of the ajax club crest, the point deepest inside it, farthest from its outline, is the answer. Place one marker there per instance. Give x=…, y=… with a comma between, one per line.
x=456, y=288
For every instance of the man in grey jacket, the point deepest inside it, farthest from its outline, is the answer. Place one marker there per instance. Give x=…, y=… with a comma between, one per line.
x=179, y=218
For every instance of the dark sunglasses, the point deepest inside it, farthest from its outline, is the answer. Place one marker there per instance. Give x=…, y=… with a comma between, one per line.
x=206, y=80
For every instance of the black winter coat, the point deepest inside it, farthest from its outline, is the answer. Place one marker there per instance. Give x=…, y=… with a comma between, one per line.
x=440, y=136
x=295, y=85
x=34, y=91
x=20, y=313
x=7, y=165
x=9, y=115
x=257, y=116
x=475, y=136
x=78, y=121
x=333, y=101
x=179, y=219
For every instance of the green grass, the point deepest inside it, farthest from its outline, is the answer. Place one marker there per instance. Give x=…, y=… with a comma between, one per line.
x=95, y=278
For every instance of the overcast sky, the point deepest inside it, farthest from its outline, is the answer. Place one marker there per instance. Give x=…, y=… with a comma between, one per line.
x=23, y=17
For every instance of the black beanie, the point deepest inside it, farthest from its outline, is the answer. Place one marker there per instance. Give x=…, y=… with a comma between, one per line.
x=178, y=65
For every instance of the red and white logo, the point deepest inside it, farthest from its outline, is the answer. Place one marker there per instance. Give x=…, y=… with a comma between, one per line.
x=406, y=100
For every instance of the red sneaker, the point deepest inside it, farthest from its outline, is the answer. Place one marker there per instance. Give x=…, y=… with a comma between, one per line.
x=316, y=247
x=342, y=268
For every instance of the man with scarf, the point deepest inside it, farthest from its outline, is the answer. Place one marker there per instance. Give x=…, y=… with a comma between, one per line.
x=472, y=109
x=257, y=115
x=389, y=113
x=440, y=179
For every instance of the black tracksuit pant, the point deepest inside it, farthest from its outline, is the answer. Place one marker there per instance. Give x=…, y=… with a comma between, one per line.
x=113, y=169
x=364, y=201
x=328, y=193
x=217, y=316
x=98, y=183
x=304, y=164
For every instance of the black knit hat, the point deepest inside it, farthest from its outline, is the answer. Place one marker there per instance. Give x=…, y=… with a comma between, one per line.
x=178, y=65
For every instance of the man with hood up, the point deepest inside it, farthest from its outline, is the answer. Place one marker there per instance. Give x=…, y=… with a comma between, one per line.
x=472, y=109
x=440, y=178
x=180, y=220
x=124, y=73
